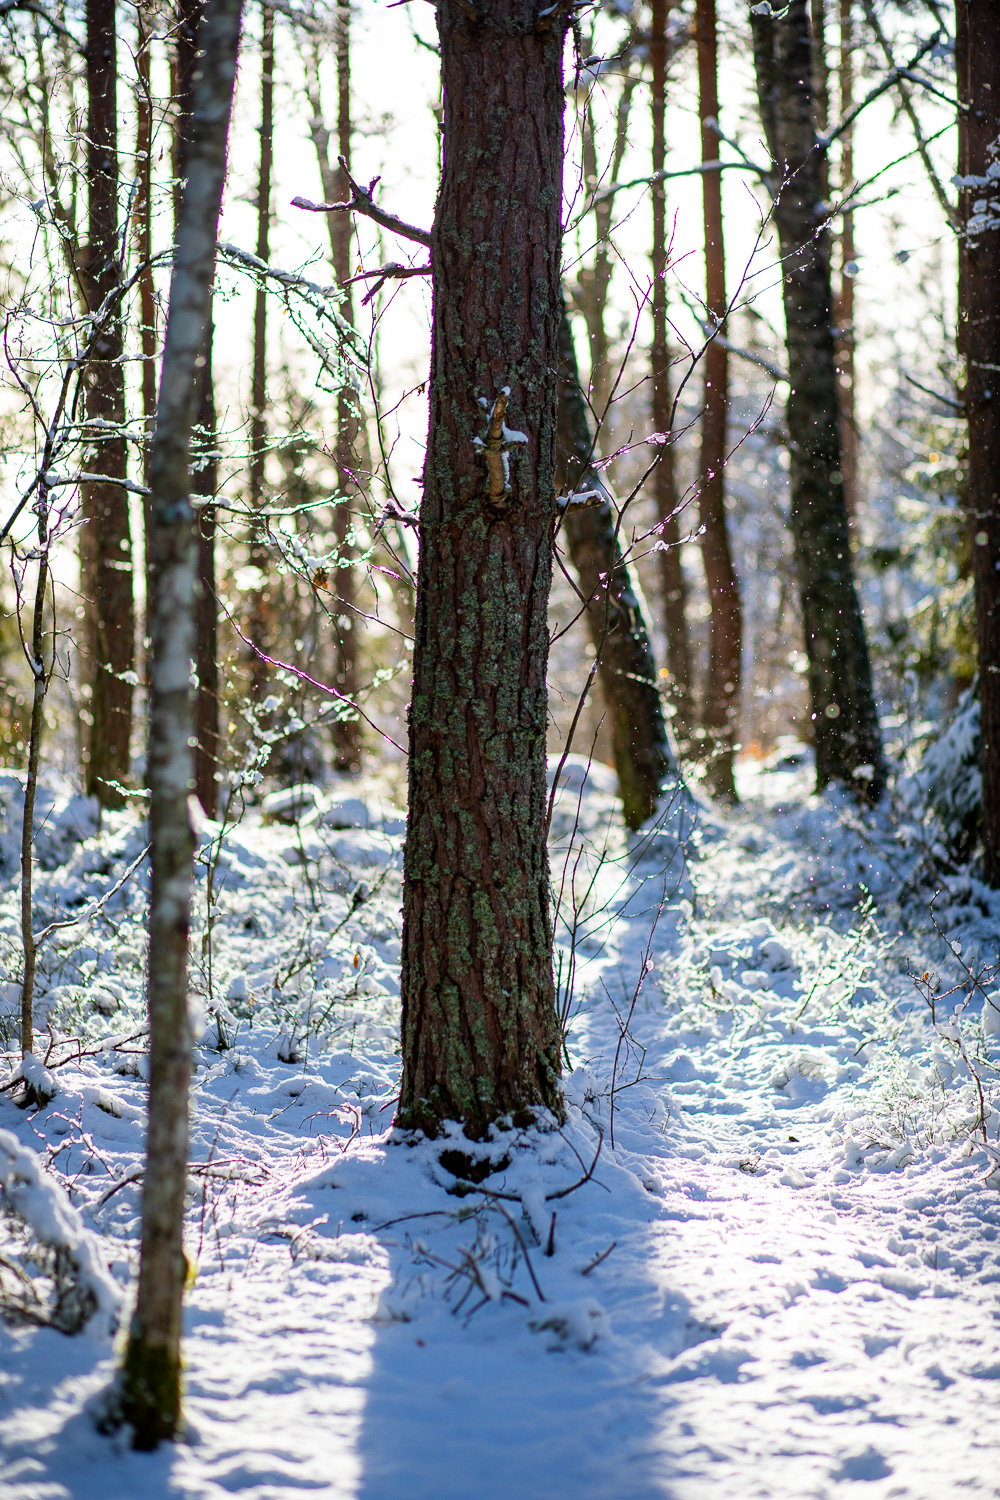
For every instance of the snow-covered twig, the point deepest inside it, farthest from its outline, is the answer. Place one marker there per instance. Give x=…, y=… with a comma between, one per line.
x=97, y=906
x=82, y=1285
x=826, y=140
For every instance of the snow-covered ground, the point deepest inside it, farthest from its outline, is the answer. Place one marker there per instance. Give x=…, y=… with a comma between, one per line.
x=759, y=1259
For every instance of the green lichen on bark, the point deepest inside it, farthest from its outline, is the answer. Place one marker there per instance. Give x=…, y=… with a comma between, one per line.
x=150, y=1394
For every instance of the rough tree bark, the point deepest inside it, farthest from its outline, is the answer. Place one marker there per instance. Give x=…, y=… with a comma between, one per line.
x=644, y=759
x=151, y=1374
x=205, y=464
x=480, y=1034
x=672, y=582
x=105, y=538
x=844, y=720
x=721, y=707
x=977, y=57
x=258, y=630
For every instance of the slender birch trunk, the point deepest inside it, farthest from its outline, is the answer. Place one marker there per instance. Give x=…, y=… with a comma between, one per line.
x=844, y=719
x=721, y=708
x=672, y=581
x=105, y=538
x=644, y=759
x=151, y=1374
x=977, y=57
x=206, y=704
x=480, y=1036
x=40, y=675
x=205, y=465
x=259, y=631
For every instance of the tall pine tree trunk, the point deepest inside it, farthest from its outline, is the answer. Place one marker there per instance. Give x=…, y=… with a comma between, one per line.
x=720, y=714
x=977, y=56
x=151, y=1375
x=346, y=731
x=672, y=582
x=260, y=598
x=844, y=720
x=643, y=756
x=205, y=465
x=105, y=539
x=480, y=1034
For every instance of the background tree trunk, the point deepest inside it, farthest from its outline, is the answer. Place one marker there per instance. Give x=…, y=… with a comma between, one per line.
x=845, y=301
x=352, y=446
x=143, y=230
x=260, y=598
x=720, y=712
x=594, y=282
x=203, y=449
x=821, y=71
x=207, y=756
x=480, y=1034
x=151, y=1373
x=347, y=731
x=643, y=756
x=674, y=587
x=844, y=719
x=41, y=674
x=105, y=538
x=977, y=55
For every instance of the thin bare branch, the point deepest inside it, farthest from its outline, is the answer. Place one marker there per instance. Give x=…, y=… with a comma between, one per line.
x=33, y=8
x=393, y=270
x=361, y=202
x=890, y=80
x=950, y=211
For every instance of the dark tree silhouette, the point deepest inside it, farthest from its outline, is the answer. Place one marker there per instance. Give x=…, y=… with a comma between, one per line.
x=720, y=713
x=664, y=482
x=105, y=538
x=644, y=759
x=844, y=719
x=977, y=57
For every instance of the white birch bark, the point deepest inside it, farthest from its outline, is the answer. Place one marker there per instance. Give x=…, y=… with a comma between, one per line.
x=150, y=1388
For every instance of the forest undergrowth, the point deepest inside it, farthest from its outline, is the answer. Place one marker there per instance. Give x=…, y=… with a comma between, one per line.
x=772, y=1195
